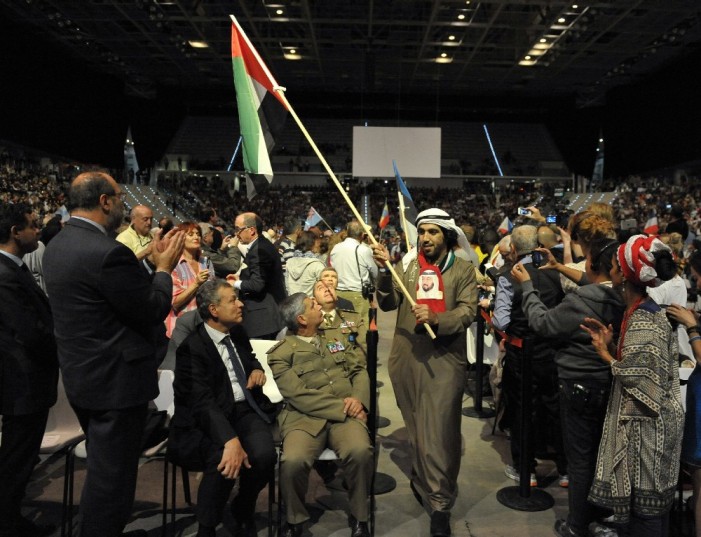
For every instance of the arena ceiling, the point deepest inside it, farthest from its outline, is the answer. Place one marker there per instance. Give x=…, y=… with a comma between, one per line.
x=522, y=48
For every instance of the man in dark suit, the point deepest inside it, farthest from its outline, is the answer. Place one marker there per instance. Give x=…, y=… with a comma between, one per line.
x=28, y=367
x=262, y=284
x=218, y=426
x=108, y=318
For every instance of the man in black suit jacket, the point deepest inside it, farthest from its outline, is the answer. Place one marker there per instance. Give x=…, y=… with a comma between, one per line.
x=218, y=426
x=262, y=284
x=108, y=316
x=28, y=367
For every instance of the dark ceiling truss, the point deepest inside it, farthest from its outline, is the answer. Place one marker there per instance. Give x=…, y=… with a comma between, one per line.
x=387, y=46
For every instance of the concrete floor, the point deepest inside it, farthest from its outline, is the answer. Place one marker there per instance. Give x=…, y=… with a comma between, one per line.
x=477, y=512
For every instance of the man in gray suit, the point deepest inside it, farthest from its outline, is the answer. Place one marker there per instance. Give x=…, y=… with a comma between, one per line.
x=108, y=317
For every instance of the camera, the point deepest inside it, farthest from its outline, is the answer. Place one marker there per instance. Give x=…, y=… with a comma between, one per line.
x=367, y=290
x=523, y=211
x=551, y=219
x=537, y=259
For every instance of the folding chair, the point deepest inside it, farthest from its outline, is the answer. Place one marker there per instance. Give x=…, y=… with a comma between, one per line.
x=63, y=434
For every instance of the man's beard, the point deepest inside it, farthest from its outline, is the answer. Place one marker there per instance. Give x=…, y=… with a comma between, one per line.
x=114, y=219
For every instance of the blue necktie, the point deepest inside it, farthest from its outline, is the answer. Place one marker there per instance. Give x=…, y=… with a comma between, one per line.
x=241, y=376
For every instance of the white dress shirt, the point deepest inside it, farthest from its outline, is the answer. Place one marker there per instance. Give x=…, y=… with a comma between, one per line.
x=218, y=339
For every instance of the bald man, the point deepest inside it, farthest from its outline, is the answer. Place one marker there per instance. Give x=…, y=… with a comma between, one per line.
x=547, y=238
x=108, y=322
x=137, y=237
x=261, y=285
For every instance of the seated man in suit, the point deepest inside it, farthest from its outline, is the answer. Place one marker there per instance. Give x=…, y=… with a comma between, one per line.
x=327, y=391
x=218, y=426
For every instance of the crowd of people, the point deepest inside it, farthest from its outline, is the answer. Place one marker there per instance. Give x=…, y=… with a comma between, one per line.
x=603, y=306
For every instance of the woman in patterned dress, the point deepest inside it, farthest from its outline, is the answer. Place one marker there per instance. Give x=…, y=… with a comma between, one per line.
x=638, y=462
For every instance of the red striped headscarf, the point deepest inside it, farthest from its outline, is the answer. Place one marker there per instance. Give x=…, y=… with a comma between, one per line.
x=637, y=260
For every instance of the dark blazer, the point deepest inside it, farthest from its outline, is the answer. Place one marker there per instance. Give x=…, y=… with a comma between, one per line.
x=28, y=363
x=262, y=289
x=108, y=318
x=204, y=398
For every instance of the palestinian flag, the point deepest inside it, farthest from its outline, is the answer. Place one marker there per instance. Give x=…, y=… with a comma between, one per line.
x=255, y=92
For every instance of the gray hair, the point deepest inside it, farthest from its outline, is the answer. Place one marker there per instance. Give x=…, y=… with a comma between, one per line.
x=208, y=294
x=505, y=245
x=524, y=239
x=291, y=308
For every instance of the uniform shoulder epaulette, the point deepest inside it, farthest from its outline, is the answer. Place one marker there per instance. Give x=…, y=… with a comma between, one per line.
x=346, y=311
x=275, y=347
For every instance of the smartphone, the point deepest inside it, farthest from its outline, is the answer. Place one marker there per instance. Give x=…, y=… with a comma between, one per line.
x=523, y=211
x=669, y=206
x=205, y=262
x=551, y=219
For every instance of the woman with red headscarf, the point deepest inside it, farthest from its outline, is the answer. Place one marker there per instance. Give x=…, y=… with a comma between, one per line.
x=638, y=462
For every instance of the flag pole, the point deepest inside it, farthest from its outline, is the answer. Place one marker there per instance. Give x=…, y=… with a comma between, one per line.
x=388, y=264
x=325, y=222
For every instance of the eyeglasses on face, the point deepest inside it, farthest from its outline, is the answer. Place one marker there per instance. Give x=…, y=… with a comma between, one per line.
x=238, y=230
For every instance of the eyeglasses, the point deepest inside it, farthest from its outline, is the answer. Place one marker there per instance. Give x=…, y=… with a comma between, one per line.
x=238, y=230
x=121, y=195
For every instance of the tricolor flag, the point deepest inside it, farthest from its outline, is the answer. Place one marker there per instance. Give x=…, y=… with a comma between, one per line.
x=651, y=227
x=384, y=218
x=506, y=226
x=313, y=218
x=255, y=87
x=410, y=211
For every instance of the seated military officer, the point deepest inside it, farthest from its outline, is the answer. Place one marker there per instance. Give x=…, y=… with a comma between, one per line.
x=338, y=324
x=327, y=392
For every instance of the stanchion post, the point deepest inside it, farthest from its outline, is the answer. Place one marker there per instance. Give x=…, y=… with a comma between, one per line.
x=523, y=497
x=477, y=411
x=381, y=482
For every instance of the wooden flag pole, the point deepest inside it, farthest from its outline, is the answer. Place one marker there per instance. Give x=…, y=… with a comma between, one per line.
x=388, y=264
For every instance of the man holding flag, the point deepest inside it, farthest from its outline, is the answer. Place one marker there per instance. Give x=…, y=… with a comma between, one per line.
x=428, y=376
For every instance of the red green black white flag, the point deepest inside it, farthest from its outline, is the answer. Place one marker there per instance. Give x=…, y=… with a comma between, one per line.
x=258, y=121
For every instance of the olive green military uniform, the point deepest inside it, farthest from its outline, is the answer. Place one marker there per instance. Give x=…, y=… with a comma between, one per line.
x=345, y=327
x=314, y=380
x=361, y=305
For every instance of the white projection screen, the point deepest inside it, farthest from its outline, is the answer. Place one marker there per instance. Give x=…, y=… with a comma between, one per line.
x=416, y=150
